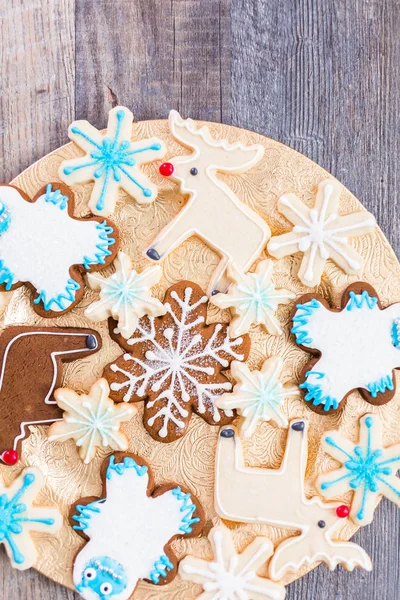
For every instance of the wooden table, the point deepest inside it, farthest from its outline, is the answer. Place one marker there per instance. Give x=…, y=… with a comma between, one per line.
x=319, y=75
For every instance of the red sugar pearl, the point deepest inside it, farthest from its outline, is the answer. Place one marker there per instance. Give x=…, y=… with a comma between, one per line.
x=342, y=511
x=10, y=457
x=166, y=169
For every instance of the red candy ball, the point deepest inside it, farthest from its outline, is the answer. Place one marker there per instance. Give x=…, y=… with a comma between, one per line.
x=342, y=511
x=10, y=457
x=166, y=169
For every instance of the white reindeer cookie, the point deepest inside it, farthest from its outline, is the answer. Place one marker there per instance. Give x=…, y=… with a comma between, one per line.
x=213, y=212
x=320, y=233
x=355, y=347
x=277, y=497
x=130, y=529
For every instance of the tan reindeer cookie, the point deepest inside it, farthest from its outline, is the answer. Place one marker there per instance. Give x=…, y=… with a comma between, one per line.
x=230, y=575
x=175, y=363
x=320, y=233
x=213, y=212
x=277, y=497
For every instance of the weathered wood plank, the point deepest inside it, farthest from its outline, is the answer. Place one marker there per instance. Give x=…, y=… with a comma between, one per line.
x=37, y=80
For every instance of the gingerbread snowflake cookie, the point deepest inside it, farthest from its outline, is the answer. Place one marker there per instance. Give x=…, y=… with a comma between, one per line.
x=129, y=530
x=320, y=233
x=43, y=245
x=357, y=346
x=112, y=161
x=230, y=575
x=175, y=363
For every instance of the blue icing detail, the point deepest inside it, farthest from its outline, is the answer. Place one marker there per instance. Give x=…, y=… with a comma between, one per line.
x=317, y=374
x=188, y=508
x=357, y=301
x=160, y=568
x=56, y=198
x=365, y=469
x=5, y=218
x=384, y=383
x=104, y=576
x=315, y=394
x=6, y=276
x=111, y=158
x=12, y=518
x=103, y=246
x=300, y=321
x=396, y=333
x=68, y=295
x=120, y=468
x=85, y=513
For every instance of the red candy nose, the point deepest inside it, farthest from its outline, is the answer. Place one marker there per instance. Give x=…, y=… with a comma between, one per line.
x=342, y=511
x=10, y=457
x=166, y=169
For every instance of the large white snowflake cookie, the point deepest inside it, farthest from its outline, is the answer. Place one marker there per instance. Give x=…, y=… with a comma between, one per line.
x=92, y=420
x=112, y=161
x=230, y=575
x=175, y=363
x=44, y=245
x=320, y=233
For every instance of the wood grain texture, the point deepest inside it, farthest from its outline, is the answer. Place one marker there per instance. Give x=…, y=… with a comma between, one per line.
x=319, y=75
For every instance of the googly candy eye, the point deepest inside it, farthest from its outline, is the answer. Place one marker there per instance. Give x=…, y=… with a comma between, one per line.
x=106, y=589
x=90, y=574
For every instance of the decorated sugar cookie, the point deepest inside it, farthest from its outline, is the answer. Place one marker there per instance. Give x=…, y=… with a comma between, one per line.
x=175, y=363
x=130, y=530
x=230, y=575
x=320, y=233
x=277, y=497
x=357, y=346
x=125, y=295
x=43, y=245
x=19, y=516
x=258, y=395
x=253, y=299
x=112, y=161
x=213, y=212
x=92, y=420
x=30, y=361
x=368, y=469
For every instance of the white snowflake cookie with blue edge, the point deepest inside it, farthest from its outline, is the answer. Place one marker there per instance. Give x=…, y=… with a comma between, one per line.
x=125, y=295
x=93, y=420
x=356, y=347
x=368, y=469
x=231, y=575
x=112, y=160
x=43, y=245
x=320, y=233
x=19, y=516
x=253, y=299
x=130, y=529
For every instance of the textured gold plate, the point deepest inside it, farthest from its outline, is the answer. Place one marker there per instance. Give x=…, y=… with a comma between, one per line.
x=190, y=460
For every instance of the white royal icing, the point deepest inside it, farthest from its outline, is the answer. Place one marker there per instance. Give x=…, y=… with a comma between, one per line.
x=277, y=497
x=213, y=212
x=320, y=233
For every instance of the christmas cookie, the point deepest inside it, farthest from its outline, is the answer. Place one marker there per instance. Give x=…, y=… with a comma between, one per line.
x=357, y=345
x=230, y=575
x=253, y=299
x=130, y=530
x=125, y=295
x=320, y=233
x=368, y=469
x=112, y=161
x=19, y=516
x=175, y=363
x=213, y=212
x=277, y=497
x=258, y=395
x=31, y=359
x=92, y=420
x=43, y=245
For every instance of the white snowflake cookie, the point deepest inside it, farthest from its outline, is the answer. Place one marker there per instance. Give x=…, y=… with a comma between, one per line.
x=230, y=575
x=253, y=299
x=93, y=420
x=112, y=161
x=320, y=233
x=258, y=395
x=125, y=295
